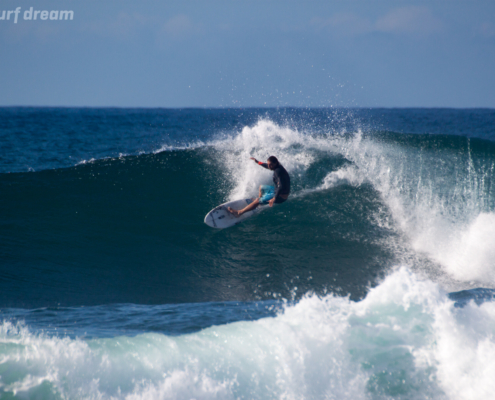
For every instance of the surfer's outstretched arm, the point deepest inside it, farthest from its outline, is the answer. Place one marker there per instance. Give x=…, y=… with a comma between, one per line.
x=264, y=165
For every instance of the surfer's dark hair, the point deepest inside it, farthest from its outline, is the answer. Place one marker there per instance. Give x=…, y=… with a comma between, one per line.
x=273, y=160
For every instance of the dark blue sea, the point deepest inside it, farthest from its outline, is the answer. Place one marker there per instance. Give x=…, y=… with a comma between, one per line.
x=375, y=280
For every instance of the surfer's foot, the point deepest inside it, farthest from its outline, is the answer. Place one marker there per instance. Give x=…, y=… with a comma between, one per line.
x=235, y=213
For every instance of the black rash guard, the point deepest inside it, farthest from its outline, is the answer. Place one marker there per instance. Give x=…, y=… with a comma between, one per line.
x=281, y=179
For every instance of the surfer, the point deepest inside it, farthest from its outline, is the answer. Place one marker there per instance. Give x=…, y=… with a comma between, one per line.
x=269, y=194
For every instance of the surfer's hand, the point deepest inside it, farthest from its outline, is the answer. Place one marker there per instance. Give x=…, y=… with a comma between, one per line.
x=272, y=202
x=254, y=159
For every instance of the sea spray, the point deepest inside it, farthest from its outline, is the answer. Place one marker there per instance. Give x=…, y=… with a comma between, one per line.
x=406, y=339
x=437, y=198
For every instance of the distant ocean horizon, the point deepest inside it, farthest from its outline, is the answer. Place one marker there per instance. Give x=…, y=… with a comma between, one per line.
x=375, y=280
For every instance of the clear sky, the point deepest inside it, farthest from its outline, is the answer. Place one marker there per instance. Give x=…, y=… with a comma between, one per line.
x=232, y=53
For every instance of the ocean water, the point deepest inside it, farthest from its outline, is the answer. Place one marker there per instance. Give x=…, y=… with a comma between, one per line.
x=374, y=281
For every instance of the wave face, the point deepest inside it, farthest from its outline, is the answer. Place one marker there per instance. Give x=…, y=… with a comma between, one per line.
x=111, y=285
x=129, y=229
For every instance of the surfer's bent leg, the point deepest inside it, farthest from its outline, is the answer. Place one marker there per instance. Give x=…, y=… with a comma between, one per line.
x=249, y=207
x=266, y=194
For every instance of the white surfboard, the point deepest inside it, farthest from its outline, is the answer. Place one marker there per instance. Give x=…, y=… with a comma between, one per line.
x=221, y=218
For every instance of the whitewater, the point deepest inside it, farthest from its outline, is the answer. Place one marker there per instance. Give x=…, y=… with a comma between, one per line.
x=374, y=281
x=406, y=339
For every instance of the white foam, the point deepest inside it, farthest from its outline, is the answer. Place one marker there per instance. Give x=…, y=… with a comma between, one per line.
x=465, y=350
x=261, y=141
x=404, y=340
x=348, y=174
x=189, y=146
x=467, y=251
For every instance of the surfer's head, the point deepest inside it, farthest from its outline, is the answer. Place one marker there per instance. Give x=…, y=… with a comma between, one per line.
x=272, y=162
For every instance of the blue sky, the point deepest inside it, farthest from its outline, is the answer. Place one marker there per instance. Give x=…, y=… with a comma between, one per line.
x=250, y=53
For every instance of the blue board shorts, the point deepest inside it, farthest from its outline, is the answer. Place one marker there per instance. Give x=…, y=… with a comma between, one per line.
x=267, y=193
